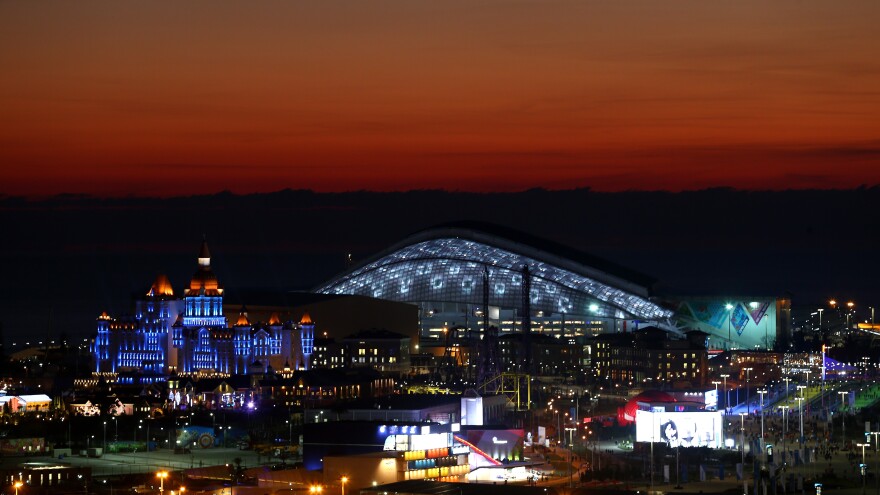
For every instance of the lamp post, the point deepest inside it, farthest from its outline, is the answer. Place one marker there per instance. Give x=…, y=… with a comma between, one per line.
x=877, y=458
x=162, y=475
x=342, y=483
x=863, y=466
x=653, y=438
x=761, y=393
x=849, y=307
x=728, y=307
x=289, y=432
x=724, y=377
x=748, y=404
x=17, y=485
x=717, y=401
x=842, y=420
x=116, y=425
x=570, y=443
x=786, y=380
x=558, y=428
x=784, y=429
x=801, y=416
x=105, y=436
x=742, y=446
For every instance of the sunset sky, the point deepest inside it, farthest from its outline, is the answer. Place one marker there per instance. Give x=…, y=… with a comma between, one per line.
x=167, y=98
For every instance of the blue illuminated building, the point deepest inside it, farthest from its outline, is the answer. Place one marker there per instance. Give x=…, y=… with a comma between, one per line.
x=192, y=334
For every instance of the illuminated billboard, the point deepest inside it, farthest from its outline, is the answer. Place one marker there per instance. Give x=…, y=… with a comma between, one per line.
x=680, y=429
x=500, y=445
x=734, y=322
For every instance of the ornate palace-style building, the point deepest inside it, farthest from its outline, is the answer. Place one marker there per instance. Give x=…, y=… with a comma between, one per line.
x=193, y=335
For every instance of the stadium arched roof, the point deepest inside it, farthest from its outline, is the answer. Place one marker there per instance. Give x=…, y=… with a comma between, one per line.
x=447, y=264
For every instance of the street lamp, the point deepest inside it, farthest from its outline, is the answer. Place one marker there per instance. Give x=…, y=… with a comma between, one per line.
x=724, y=377
x=748, y=404
x=17, y=485
x=289, y=432
x=801, y=416
x=315, y=489
x=761, y=393
x=343, y=481
x=786, y=379
x=558, y=428
x=742, y=446
x=105, y=436
x=162, y=475
x=863, y=466
x=849, y=307
x=728, y=307
x=570, y=443
x=842, y=419
x=784, y=428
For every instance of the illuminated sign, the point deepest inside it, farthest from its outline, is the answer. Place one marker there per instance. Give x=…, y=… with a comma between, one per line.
x=430, y=441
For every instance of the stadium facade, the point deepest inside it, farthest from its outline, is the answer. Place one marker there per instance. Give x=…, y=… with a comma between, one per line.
x=455, y=272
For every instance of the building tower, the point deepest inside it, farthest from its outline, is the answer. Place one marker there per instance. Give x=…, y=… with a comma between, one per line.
x=101, y=347
x=153, y=315
x=307, y=340
x=203, y=311
x=242, y=343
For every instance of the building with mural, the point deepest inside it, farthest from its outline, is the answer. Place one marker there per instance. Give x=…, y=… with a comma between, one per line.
x=736, y=322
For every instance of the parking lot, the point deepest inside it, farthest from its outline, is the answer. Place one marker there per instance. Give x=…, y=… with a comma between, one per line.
x=145, y=462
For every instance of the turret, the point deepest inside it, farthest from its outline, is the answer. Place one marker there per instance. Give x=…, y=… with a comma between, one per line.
x=306, y=339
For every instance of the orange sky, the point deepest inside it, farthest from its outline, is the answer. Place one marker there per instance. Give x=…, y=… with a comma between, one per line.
x=119, y=98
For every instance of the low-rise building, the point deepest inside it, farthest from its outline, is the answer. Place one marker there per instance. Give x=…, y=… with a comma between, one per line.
x=650, y=357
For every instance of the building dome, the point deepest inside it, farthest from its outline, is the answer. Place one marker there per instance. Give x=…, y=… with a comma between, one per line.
x=306, y=319
x=161, y=287
x=203, y=281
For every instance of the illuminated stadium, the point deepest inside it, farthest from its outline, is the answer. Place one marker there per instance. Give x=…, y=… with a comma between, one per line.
x=456, y=272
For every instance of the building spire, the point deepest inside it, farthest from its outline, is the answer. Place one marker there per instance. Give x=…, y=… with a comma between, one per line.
x=204, y=255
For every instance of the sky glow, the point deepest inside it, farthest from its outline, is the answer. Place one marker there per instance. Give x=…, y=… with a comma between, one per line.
x=167, y=98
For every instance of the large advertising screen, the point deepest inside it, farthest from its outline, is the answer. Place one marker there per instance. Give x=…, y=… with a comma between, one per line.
x=680, y=429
